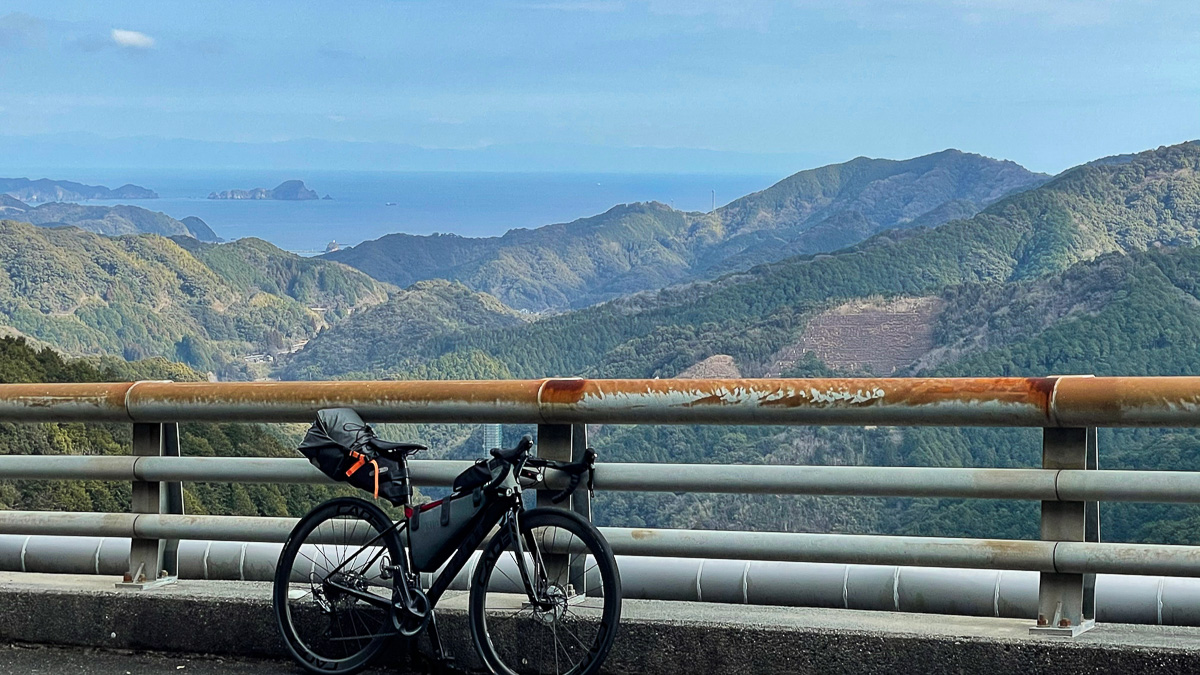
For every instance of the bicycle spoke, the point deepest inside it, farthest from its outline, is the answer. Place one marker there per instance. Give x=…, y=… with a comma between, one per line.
x=571, y=633
x=569, y=636
x=327, y=627
x=510, y=579
x=554, y=628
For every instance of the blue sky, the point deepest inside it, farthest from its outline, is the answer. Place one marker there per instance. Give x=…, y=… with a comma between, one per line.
x=1047, y=83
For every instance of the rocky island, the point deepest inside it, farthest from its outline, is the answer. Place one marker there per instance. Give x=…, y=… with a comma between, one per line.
x=47, y=190
x=291, y=190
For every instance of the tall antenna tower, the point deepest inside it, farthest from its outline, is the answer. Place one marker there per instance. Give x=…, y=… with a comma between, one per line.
x=714, y=201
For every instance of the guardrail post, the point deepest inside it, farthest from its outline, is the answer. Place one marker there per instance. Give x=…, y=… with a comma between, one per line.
x=171, y=498
x=1067, y=602
x=146, y=555
x=581, y=501
x=554, y=442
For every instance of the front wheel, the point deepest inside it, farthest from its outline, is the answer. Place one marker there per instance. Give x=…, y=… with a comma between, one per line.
x=561, y=615
x=343, y=544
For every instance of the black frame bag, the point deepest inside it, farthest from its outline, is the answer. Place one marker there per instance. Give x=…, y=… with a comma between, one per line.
x=435, y=530
x=435, y=534
x=339, y=444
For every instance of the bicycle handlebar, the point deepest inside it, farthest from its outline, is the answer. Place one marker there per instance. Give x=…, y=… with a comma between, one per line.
x=574, y=470
x=522, y=448
x=519, y=457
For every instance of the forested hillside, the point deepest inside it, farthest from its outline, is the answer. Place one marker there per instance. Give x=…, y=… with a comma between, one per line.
x=1094, y=272
x=146, y=295
x=635, y=247
x=111, y=220
x=391, y=340
x=21, y=363
x=1149, y=201
x=835, y=206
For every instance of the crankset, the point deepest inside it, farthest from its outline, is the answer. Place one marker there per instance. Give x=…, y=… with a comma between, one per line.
x=412, y=617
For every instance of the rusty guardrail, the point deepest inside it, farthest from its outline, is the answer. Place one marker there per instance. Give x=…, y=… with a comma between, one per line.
x=1068, y=408
x=1069, y=401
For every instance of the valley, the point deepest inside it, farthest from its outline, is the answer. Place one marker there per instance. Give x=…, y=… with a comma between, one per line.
x=1092, y=271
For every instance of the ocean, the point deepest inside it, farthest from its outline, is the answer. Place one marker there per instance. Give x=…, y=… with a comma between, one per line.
x=469, y=204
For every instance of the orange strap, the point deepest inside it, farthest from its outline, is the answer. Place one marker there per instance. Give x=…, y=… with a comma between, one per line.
x=376, y=478
x=362, y=459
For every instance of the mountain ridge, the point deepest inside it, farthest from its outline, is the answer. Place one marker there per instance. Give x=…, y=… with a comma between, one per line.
x=1081, y=214
x=108, y=220
x=144, y=295
x=647, y=245
x=48, y=190
x=400, y=330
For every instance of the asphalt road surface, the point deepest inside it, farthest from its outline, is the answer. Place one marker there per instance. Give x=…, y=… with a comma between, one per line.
x=24, y=659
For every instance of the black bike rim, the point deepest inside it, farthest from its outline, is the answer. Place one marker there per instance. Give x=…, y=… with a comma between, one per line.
x=329, y=630
x=568, y=631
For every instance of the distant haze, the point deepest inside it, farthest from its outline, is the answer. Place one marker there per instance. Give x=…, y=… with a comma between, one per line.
x=466, y=203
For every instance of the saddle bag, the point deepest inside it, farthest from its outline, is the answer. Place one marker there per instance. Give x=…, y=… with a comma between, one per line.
x=339, y=444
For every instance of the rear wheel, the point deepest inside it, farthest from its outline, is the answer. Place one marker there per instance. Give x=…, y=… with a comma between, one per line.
x=343, y=543
x=567, y=625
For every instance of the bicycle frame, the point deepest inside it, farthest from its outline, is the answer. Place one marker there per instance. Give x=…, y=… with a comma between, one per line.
x=504, y=512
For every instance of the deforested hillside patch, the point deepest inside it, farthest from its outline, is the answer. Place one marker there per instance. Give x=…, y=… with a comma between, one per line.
x=717, y=366
x=875, y=336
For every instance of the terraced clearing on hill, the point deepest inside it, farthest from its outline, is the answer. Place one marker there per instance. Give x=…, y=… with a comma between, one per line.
x=874, y=336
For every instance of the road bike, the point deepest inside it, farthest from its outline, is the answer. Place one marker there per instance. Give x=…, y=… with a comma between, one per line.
x=545, y=592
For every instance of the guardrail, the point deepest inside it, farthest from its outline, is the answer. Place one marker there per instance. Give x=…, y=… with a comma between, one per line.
x=1068, y=484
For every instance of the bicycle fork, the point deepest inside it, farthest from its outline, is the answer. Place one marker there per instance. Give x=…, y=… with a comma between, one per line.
x=534, y=582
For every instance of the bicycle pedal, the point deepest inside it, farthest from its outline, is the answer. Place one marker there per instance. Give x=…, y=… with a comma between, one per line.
x=440, y=664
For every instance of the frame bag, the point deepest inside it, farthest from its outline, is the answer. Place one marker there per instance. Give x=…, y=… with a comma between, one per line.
x=434, y=534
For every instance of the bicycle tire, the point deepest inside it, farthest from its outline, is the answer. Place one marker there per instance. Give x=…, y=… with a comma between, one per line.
x=347, y=617
x=503, y=630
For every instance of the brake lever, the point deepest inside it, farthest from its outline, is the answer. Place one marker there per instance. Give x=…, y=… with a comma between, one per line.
x=566, y=492
x=587, y=464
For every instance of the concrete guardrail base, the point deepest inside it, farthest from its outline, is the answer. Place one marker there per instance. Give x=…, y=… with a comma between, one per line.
x=655, y=638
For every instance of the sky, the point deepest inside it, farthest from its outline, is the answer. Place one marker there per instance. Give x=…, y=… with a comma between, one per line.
x=671, y=85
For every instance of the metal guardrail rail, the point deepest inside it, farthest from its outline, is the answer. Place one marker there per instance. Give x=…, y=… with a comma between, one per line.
x=1068, y=484
x=1072, y=401
x=971, y=592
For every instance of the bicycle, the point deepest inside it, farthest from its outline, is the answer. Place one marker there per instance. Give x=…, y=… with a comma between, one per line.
x=545, y=593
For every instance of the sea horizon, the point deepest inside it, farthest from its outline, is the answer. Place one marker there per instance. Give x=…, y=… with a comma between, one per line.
x=367, y=205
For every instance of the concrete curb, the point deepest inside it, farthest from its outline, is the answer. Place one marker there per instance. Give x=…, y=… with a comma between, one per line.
x=655, y=638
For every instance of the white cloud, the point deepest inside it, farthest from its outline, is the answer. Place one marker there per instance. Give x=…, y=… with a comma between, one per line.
x=132, y=39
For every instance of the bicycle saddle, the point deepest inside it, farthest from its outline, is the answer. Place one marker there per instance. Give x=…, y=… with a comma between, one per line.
x=395, y=447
